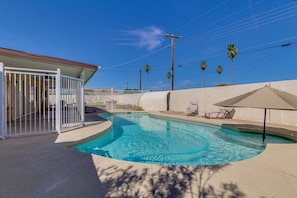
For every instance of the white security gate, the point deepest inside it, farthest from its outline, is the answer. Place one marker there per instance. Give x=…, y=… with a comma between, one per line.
x=72, y=104
x=39, y=101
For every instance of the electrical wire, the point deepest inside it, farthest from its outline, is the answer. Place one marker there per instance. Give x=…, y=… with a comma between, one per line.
x=204, y=14
x=264, y=18
x=258, y=64
x=245, y=51
x=136, y=59
x=224, y=18
x=273, y=42
x=243, y=25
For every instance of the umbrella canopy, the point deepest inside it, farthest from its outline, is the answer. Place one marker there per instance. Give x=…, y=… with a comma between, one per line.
x=263, y=98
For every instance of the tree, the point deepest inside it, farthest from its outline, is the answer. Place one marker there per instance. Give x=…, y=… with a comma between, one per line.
x=232, y=52
x=147, y=69
x=203, y=66
x=169, y=76
x=219, y=70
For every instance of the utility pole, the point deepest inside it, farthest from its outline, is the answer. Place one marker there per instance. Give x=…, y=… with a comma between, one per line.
x=172, y=57
x=140, y=80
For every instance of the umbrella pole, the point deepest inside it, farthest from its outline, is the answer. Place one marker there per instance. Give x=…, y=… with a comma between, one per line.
x=263, y=137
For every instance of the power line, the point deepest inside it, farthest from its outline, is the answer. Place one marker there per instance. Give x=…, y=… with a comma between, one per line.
x=279, y=13
x=285, y=43
x=139, y=58
x=272, y=42
x=224, y=18
x=281, y=43
x=282, y=9
x=250, y=50
x=271, y=16
x=136, y=59
x=204, y=14
x=258, y=63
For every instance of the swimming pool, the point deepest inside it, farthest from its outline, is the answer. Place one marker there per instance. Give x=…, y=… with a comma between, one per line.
x=138, y=137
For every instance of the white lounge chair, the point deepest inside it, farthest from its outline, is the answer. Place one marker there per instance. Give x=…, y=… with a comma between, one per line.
x=192, y=109
x=222, y=114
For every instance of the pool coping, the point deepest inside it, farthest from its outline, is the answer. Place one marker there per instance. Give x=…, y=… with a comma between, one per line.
x=238, y=125
x=276, y=179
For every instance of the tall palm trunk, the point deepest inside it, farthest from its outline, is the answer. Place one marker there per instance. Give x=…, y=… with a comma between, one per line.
x=148, y=82
x=233, y=71
x=203, y=78
x=219, y=78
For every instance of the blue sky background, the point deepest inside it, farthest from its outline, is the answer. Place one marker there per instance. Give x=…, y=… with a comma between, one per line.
x=123, y=36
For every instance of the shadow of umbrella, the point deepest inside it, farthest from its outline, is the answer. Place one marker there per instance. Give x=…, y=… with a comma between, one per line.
x=263, y=98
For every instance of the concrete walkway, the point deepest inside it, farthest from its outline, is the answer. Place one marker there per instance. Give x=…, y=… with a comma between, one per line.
x=37, y=167
x=42, y=166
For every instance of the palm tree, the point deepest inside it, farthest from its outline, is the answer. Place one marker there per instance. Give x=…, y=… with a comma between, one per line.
x=147, y=69
x=203, y=66
x=232, y=52
x=219, y=70
x=169, y=76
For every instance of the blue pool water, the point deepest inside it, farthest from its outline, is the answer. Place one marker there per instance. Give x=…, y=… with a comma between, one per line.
x=154, y=140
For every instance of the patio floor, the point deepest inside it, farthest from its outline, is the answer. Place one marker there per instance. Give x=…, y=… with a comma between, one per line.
x=42, y=166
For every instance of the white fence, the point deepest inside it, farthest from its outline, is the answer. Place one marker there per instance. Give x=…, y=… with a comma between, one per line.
x=2, y=102
x=110, y=99
x=39, y=101
x=72, y=104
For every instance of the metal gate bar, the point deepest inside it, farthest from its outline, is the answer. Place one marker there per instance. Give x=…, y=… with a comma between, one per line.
x=2, y=102
x=28, y=105
x=71, y=110
x=39, y=101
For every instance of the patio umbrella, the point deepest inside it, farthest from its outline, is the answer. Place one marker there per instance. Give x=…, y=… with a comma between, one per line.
x=263, y=98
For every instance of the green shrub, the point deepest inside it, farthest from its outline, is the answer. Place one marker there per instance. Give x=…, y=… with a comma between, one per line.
x=138, y=108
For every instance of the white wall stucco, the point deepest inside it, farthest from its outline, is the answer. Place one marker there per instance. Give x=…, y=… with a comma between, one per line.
x=154, y=101
x=207, y=97
x=132, y=99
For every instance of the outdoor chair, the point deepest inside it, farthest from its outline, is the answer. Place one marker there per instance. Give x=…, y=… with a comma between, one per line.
x=192, y=109
x=222, y=114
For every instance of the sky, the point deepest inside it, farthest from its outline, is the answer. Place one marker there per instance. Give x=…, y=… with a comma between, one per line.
x=123, y=36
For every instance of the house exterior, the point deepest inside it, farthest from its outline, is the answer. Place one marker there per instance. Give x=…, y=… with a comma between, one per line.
x=40, y=94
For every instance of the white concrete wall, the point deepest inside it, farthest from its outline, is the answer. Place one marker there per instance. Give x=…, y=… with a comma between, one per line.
x=154, y=101
x=132, y=99
x=207, y=97
x=99, y=99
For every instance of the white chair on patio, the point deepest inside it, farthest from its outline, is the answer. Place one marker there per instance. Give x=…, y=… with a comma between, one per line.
x=192, y=109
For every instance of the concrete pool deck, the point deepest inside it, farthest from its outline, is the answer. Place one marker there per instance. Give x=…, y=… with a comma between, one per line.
x=43, y=166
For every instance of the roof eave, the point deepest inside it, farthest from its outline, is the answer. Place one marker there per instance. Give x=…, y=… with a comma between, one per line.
x=22, y=54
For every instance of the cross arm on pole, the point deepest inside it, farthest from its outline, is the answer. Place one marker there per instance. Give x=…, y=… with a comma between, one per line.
x=172, y=37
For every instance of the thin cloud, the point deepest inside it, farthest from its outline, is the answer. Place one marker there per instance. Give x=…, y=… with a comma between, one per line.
x=161, y=85
x=149, y=37
x=186, y=84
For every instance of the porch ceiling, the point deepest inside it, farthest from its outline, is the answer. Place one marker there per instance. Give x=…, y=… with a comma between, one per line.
x=14, y=58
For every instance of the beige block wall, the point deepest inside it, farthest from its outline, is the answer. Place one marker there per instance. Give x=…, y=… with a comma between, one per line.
x=207, y=97
x=154, y=101
x=96, y=99
x=132, y=99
